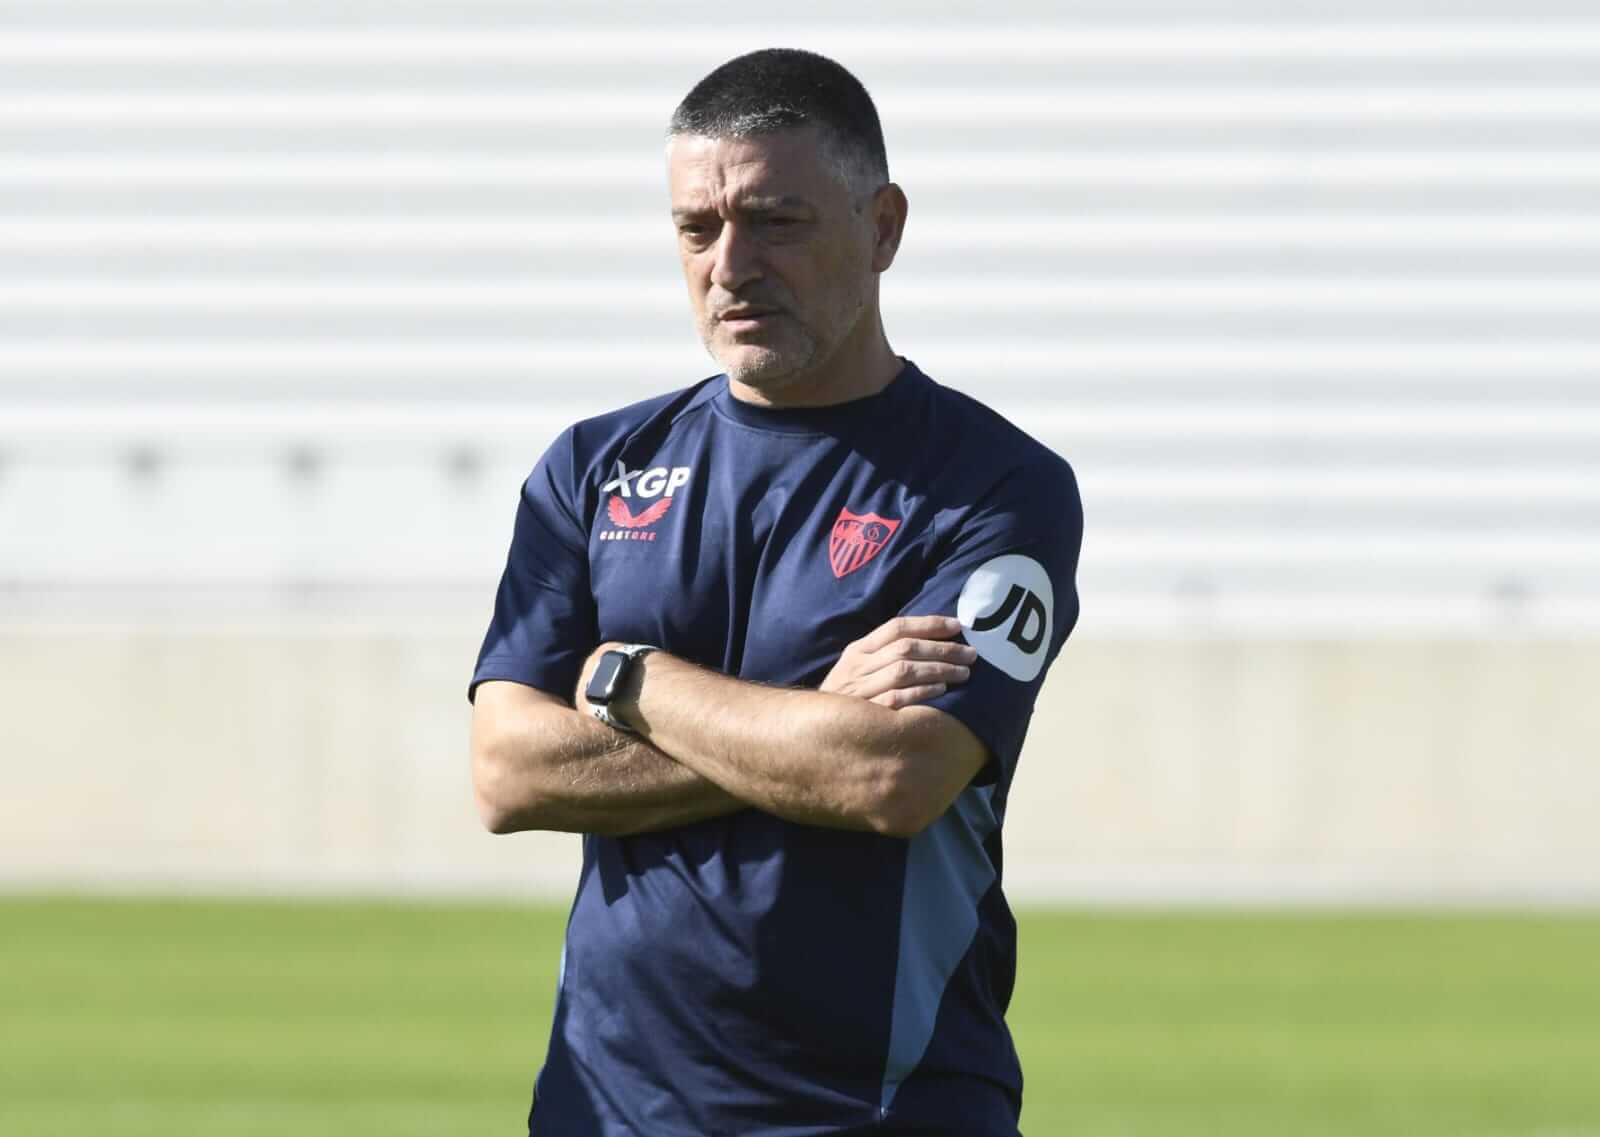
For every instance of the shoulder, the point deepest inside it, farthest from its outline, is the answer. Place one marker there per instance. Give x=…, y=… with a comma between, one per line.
x=613, y=429
x=993, y=456
x=602, y=438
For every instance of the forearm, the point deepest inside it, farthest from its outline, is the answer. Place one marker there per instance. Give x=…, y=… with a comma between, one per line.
x=547, y=766
x=808, y=756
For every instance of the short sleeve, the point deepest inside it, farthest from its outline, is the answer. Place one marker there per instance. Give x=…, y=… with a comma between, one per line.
x=1007, y=569
x=544, y=621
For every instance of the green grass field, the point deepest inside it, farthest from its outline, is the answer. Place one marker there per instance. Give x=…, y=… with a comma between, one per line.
x=227, y=1019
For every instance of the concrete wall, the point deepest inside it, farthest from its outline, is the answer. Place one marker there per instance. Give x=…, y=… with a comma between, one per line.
x=306, y=759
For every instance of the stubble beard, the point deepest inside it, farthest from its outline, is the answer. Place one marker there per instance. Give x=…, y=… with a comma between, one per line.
x=797, y=352
x=768, y=366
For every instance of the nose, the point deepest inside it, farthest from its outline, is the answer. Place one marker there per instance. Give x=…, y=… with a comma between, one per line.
x=735, y=260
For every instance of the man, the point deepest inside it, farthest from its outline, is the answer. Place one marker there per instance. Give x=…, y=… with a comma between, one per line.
x=771, y=643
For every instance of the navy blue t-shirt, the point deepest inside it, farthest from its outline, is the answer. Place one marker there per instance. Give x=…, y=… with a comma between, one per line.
x=746, y=975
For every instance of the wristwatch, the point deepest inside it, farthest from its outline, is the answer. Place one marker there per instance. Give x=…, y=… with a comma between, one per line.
x=610, y=678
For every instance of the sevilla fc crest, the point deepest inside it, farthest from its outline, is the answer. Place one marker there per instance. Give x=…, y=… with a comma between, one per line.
x=856, y=539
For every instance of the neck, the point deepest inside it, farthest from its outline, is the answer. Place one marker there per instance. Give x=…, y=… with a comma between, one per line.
x=863, y=366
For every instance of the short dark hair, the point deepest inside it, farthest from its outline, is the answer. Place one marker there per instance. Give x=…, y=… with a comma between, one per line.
x=779, y=88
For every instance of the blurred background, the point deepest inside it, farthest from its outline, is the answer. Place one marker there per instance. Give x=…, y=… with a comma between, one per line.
x=292, y=296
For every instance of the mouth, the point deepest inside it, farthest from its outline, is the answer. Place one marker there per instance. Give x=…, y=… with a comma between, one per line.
x=746, y=318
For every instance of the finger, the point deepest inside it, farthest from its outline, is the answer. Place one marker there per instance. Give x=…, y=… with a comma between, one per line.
x=910, y=627
x=902, y=652
x=909, y=673
x=906, y=696
x=950, y=651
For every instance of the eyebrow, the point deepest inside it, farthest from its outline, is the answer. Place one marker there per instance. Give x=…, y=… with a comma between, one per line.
x=750, y=205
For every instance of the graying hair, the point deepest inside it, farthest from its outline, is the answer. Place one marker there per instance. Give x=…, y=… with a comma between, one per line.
x=861, y=176
x=777, y=89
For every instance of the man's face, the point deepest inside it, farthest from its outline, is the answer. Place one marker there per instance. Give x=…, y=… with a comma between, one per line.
x=778, y=257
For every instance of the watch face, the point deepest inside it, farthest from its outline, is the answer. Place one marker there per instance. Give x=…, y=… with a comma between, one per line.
x=603, y=683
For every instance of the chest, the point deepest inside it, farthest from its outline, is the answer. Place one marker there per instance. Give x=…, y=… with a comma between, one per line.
x=760, y=560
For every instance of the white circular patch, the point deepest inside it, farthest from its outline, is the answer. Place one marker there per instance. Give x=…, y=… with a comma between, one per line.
x=1007, y=609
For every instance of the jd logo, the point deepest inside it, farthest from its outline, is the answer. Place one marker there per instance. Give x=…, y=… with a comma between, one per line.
x=1027, y=630
x=1007, y=609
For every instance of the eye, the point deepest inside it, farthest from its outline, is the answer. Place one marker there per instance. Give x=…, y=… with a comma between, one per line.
x=783, y=229
x=694, y=232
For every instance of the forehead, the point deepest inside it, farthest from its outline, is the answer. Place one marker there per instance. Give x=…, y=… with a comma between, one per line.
x=718, y=172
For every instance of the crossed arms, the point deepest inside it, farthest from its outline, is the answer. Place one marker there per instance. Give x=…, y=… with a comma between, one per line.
x=857, y=753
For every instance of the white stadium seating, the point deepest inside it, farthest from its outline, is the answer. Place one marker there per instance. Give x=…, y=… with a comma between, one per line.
x=1314, y=309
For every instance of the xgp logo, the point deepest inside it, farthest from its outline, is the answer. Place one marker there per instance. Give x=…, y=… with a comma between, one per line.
x=658, y=483
x=1007, y=608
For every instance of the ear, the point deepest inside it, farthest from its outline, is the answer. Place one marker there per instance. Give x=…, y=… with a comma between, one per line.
x=888, y=210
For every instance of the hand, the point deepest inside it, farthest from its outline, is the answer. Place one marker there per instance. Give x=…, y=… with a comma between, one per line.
x=908, y=660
